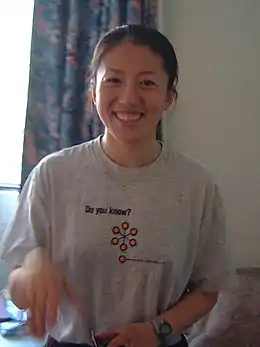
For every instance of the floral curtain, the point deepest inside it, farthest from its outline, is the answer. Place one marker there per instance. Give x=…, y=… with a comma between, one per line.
x=64, y=35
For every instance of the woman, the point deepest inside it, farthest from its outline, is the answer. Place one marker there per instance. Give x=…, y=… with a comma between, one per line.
x=109, y=234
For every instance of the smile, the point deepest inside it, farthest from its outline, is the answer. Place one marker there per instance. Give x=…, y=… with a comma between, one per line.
x=128, y=117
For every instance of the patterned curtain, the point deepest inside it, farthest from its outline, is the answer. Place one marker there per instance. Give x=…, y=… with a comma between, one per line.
x=64, y=35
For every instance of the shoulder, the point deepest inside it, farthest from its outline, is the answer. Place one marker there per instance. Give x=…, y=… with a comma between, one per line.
x=188, y=169
x=66, y=160
x=62, y=167
x=194, y=179
x=69, y=156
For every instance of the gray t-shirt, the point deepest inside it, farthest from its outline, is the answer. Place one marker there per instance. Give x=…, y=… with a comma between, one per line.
x=129, y=240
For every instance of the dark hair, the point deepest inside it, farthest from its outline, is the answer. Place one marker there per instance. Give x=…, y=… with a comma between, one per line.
x=139, y=35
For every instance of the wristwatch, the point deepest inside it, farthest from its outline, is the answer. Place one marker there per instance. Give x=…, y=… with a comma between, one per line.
x=165, y=333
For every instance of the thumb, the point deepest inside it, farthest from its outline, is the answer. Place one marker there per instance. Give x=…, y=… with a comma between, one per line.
x=109, y=335
x=118, y=341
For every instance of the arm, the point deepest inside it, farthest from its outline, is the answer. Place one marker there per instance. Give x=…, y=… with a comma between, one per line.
x=27, y=233
x=187, y=311
x=37, y=286
x=211, y=268
x=192, y=307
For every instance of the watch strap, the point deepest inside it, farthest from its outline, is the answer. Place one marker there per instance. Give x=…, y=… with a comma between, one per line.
x=165, y=340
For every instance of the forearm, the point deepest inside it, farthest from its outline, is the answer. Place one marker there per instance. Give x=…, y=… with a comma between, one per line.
x=192, y=307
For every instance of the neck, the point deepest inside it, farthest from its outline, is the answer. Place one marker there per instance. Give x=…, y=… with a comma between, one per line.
x=130, y=155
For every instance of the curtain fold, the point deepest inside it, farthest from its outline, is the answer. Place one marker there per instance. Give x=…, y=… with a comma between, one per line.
x=64, y=35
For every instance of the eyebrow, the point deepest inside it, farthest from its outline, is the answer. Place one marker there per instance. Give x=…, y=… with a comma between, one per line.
x=146, y=72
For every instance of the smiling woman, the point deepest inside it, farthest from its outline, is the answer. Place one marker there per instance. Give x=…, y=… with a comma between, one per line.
x=120, y=236
x=131, y=98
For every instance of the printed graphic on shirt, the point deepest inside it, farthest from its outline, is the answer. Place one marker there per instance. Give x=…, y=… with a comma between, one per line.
x=107, y=210
x=124, y=237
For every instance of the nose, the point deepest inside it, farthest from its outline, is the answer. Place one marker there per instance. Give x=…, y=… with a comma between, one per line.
x=129, y=94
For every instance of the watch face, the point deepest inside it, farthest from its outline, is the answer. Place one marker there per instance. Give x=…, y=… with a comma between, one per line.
x=165, y=329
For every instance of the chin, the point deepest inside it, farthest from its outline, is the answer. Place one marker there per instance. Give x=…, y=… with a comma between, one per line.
x=130, y=135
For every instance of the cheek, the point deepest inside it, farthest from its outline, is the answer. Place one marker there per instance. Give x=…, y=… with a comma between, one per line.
x=104, y=97
x=156, y=103
x=100, y=100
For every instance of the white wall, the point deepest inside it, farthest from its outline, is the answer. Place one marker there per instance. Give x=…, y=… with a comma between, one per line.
x=8, y=205
x=217, y=119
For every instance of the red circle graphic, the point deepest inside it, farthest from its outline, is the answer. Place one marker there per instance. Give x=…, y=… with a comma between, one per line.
x=133, y=231
x=123, y=247
x=116, y=230
x=125, y=226
x=133, y=242
x=114, y=241
x=122, y=259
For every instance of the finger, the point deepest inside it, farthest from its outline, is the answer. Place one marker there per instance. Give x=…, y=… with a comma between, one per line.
x=109, y=335
x=22, y=296
x=31, y=313
x=39, y=311
x=53, y=301
x=119, y=341
x=30, y=323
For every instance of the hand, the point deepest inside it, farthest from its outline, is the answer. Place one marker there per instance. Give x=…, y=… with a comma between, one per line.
x=133, y=335
x=37, y=286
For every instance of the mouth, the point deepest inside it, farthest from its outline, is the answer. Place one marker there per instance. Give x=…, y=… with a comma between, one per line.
x=128, y=117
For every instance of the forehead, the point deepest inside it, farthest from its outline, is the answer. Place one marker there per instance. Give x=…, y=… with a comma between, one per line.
x=128, y=56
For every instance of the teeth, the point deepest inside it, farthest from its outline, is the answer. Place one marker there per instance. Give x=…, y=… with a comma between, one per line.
x=128, y=117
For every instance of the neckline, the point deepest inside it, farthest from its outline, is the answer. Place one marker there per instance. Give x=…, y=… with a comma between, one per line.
x=124, y=173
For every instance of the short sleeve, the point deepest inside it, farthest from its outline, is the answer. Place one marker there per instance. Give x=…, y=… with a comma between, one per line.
x=30, y=225
x=213, y=269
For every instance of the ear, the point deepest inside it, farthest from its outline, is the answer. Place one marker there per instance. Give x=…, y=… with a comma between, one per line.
x=91, y=99
x=170, y=99
x=93, y=95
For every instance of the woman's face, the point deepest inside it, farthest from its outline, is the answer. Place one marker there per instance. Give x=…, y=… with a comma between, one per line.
x=131, y=92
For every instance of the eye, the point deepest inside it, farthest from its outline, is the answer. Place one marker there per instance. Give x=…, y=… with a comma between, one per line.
x=112, y=80
x=147, y=83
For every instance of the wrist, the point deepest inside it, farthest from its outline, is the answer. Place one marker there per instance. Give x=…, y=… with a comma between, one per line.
x=152, y=331
x=165, y=333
